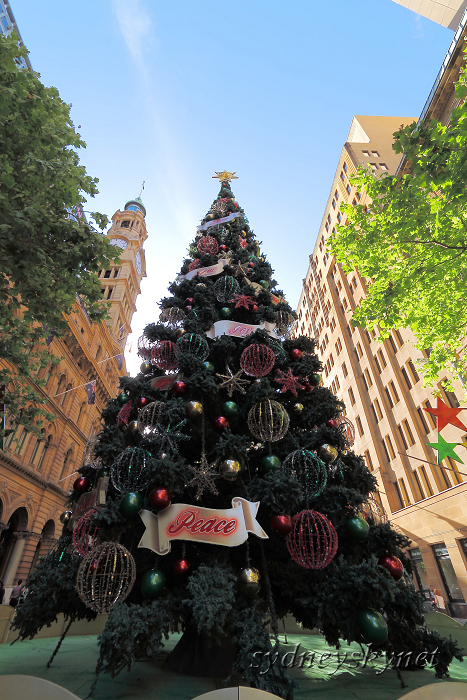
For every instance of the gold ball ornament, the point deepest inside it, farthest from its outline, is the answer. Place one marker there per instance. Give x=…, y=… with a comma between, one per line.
x=105, y=576
x=132, y=427
x=230, y=469
x=179, y=332
x=249, y=581
x=268, y=421
x=194, y=409
x=327, y=453
x=298, y=408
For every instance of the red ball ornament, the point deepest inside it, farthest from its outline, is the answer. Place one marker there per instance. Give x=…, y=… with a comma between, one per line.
x=189, y=300
x=143, y=401
x=257, y=360
x=312, y=542
x=193, y=265
x=160, y=498
x=179, y=388
x=282, y=524
x=221, y=423
x=182, y=566
x=208, y=244
x=223, y=248
x=331, y=423
x=296, y=354
x=250, y=264
x=307, y=387
x=163, y=355
x=96, y=567
x=188, y=309
x=254, y=308
x=85, y=533
x=393, y=565
x=81, y=484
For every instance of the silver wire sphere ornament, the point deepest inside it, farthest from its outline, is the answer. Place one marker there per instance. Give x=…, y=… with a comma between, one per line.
x=312, y=542
x=192, y=344
x=90, y=458
x=225, y=288
x=172, y=317
x=308, y=469
x=105, y=576
x=144, y=347
x=372, y=509
x=128, y=472
x=163, y=355
x=268, y=421
x=85, y=533
x=149, y=418
x=347, y=428
x=284, y=323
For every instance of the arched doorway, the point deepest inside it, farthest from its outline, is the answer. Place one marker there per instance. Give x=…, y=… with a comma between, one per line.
x=12, y=543
x=47, y=540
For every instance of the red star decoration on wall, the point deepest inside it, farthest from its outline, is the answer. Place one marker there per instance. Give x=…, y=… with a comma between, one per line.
x=446, y=415
x=243, y=242
x=242, y=300
x=289, y=382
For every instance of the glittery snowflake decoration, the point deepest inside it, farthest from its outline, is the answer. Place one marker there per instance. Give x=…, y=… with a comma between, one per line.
x=232, y=382
x=204, y=476
x=242, y=300
x=289, y=382
x=166, y=437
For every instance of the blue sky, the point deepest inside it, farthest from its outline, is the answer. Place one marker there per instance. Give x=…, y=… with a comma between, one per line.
x=170, y=92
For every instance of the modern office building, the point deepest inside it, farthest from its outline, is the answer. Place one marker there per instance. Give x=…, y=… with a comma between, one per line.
x=379, y=382
x=8, y=25
x=448, y=13
x=36, y=476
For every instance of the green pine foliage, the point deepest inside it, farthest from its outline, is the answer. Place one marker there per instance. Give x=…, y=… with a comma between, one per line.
x=211, y=602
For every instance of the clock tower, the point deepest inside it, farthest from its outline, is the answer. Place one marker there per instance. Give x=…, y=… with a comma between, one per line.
x=121, y=283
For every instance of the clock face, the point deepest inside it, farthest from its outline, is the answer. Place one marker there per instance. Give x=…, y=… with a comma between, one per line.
x=119, y=242
x=139, y=266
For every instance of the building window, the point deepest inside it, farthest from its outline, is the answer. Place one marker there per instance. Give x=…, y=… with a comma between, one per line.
x=456, y=477
x=36, y=447
x=125, y=224
x=338, y=383
x=21, y=441
x=406, y=377
x=426, y=481
x=368, y=377
x=348, y=189
x=64, y=465
x=399, y=340
x=393, y=345
x=326, y=226
x=359, y=350
x=419, y=568
x=44, y=451
x=344, y=369
x=448, y=574
x=338, y=346
x=375, y=154
x=408, y=432
x=333, y=203
x=382, y=359
x=451, y=399
x=419, y=486
x=388, y=396
x=426, y=404
x=351, y=395
x=383, y=166
x=359, y=426
x=374, y=166
x=378, y=367
x=345, y=167
x=107, y=273
x=401, y=433
x=339, y=217
x=413, y=371
x=386, y=451
x=394, y=392
x=403, y=492
x=388, y=442
x=366, y=154
x=379, y=412
x=109, y=292
x=116, y=271
x=368, y=461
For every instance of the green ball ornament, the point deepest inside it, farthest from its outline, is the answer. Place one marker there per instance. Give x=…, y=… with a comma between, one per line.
x=229, y=409
x=122, y=398
x=131, y=504
x=153, y=583
x=373, y=626
x=270, y=463
x=225, y=312
x=358, y=528
x=102, y=472
x=315, y=379
x=209, y=367
x=264, y=284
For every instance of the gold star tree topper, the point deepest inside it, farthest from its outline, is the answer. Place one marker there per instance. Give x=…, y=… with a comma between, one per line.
x=224, y=176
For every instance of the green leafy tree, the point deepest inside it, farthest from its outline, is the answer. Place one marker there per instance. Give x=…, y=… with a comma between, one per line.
x=49, y=253
x=210, y=418
x=410, y=242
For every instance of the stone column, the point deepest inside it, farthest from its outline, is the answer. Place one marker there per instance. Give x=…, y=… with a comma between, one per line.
x=15, y=557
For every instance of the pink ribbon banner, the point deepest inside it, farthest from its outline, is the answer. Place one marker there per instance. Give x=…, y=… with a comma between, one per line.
x=206, y=271
x=180, y=521
x=239, y=330
x=216, y=222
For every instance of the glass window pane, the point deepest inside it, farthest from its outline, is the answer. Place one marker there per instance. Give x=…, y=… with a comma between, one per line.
x=447, y=573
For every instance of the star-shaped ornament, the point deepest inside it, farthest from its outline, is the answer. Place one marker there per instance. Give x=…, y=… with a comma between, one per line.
x=289, y=382
x=445, y=449
x=233, y=382
x=241, y=269
x=167, y=437
x=224, y=176
x=243, y=242
x=242, y=300
x=445, y=415
x=204, y=476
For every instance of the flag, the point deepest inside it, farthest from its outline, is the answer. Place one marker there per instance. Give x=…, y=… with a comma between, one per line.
x=50, y=337
x=120, y=361
x=91, y=392
x=121, y=331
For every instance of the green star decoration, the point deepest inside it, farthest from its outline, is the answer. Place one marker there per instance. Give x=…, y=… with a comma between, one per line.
x=445, y=449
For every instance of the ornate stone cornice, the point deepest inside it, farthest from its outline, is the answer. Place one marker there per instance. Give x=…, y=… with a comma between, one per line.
x=15, y=466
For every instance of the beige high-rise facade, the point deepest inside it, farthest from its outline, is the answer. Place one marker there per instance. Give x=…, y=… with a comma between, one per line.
x=448, y=13
x=382, y=389
x=36, y=476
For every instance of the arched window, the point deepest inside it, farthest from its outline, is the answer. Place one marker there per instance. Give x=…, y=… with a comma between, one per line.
x=98, y=353
x=81, y=412
x=66, y=461
x=39, y=442
x=61, y=386
x=21, y=441
x=43, y=453
x=65, y=395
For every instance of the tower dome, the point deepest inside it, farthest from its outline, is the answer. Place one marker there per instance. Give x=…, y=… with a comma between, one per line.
x=135, y=205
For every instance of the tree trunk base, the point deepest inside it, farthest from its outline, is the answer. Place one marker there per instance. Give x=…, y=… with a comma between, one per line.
x=196, y=655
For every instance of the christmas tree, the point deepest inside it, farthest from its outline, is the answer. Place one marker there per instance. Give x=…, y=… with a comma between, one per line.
x=222, y=493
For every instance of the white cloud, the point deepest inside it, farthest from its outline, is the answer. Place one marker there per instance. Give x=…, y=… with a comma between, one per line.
x=136, y=27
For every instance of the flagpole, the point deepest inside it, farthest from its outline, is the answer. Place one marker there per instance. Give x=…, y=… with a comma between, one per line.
x=441, y=466
x=75, y=387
